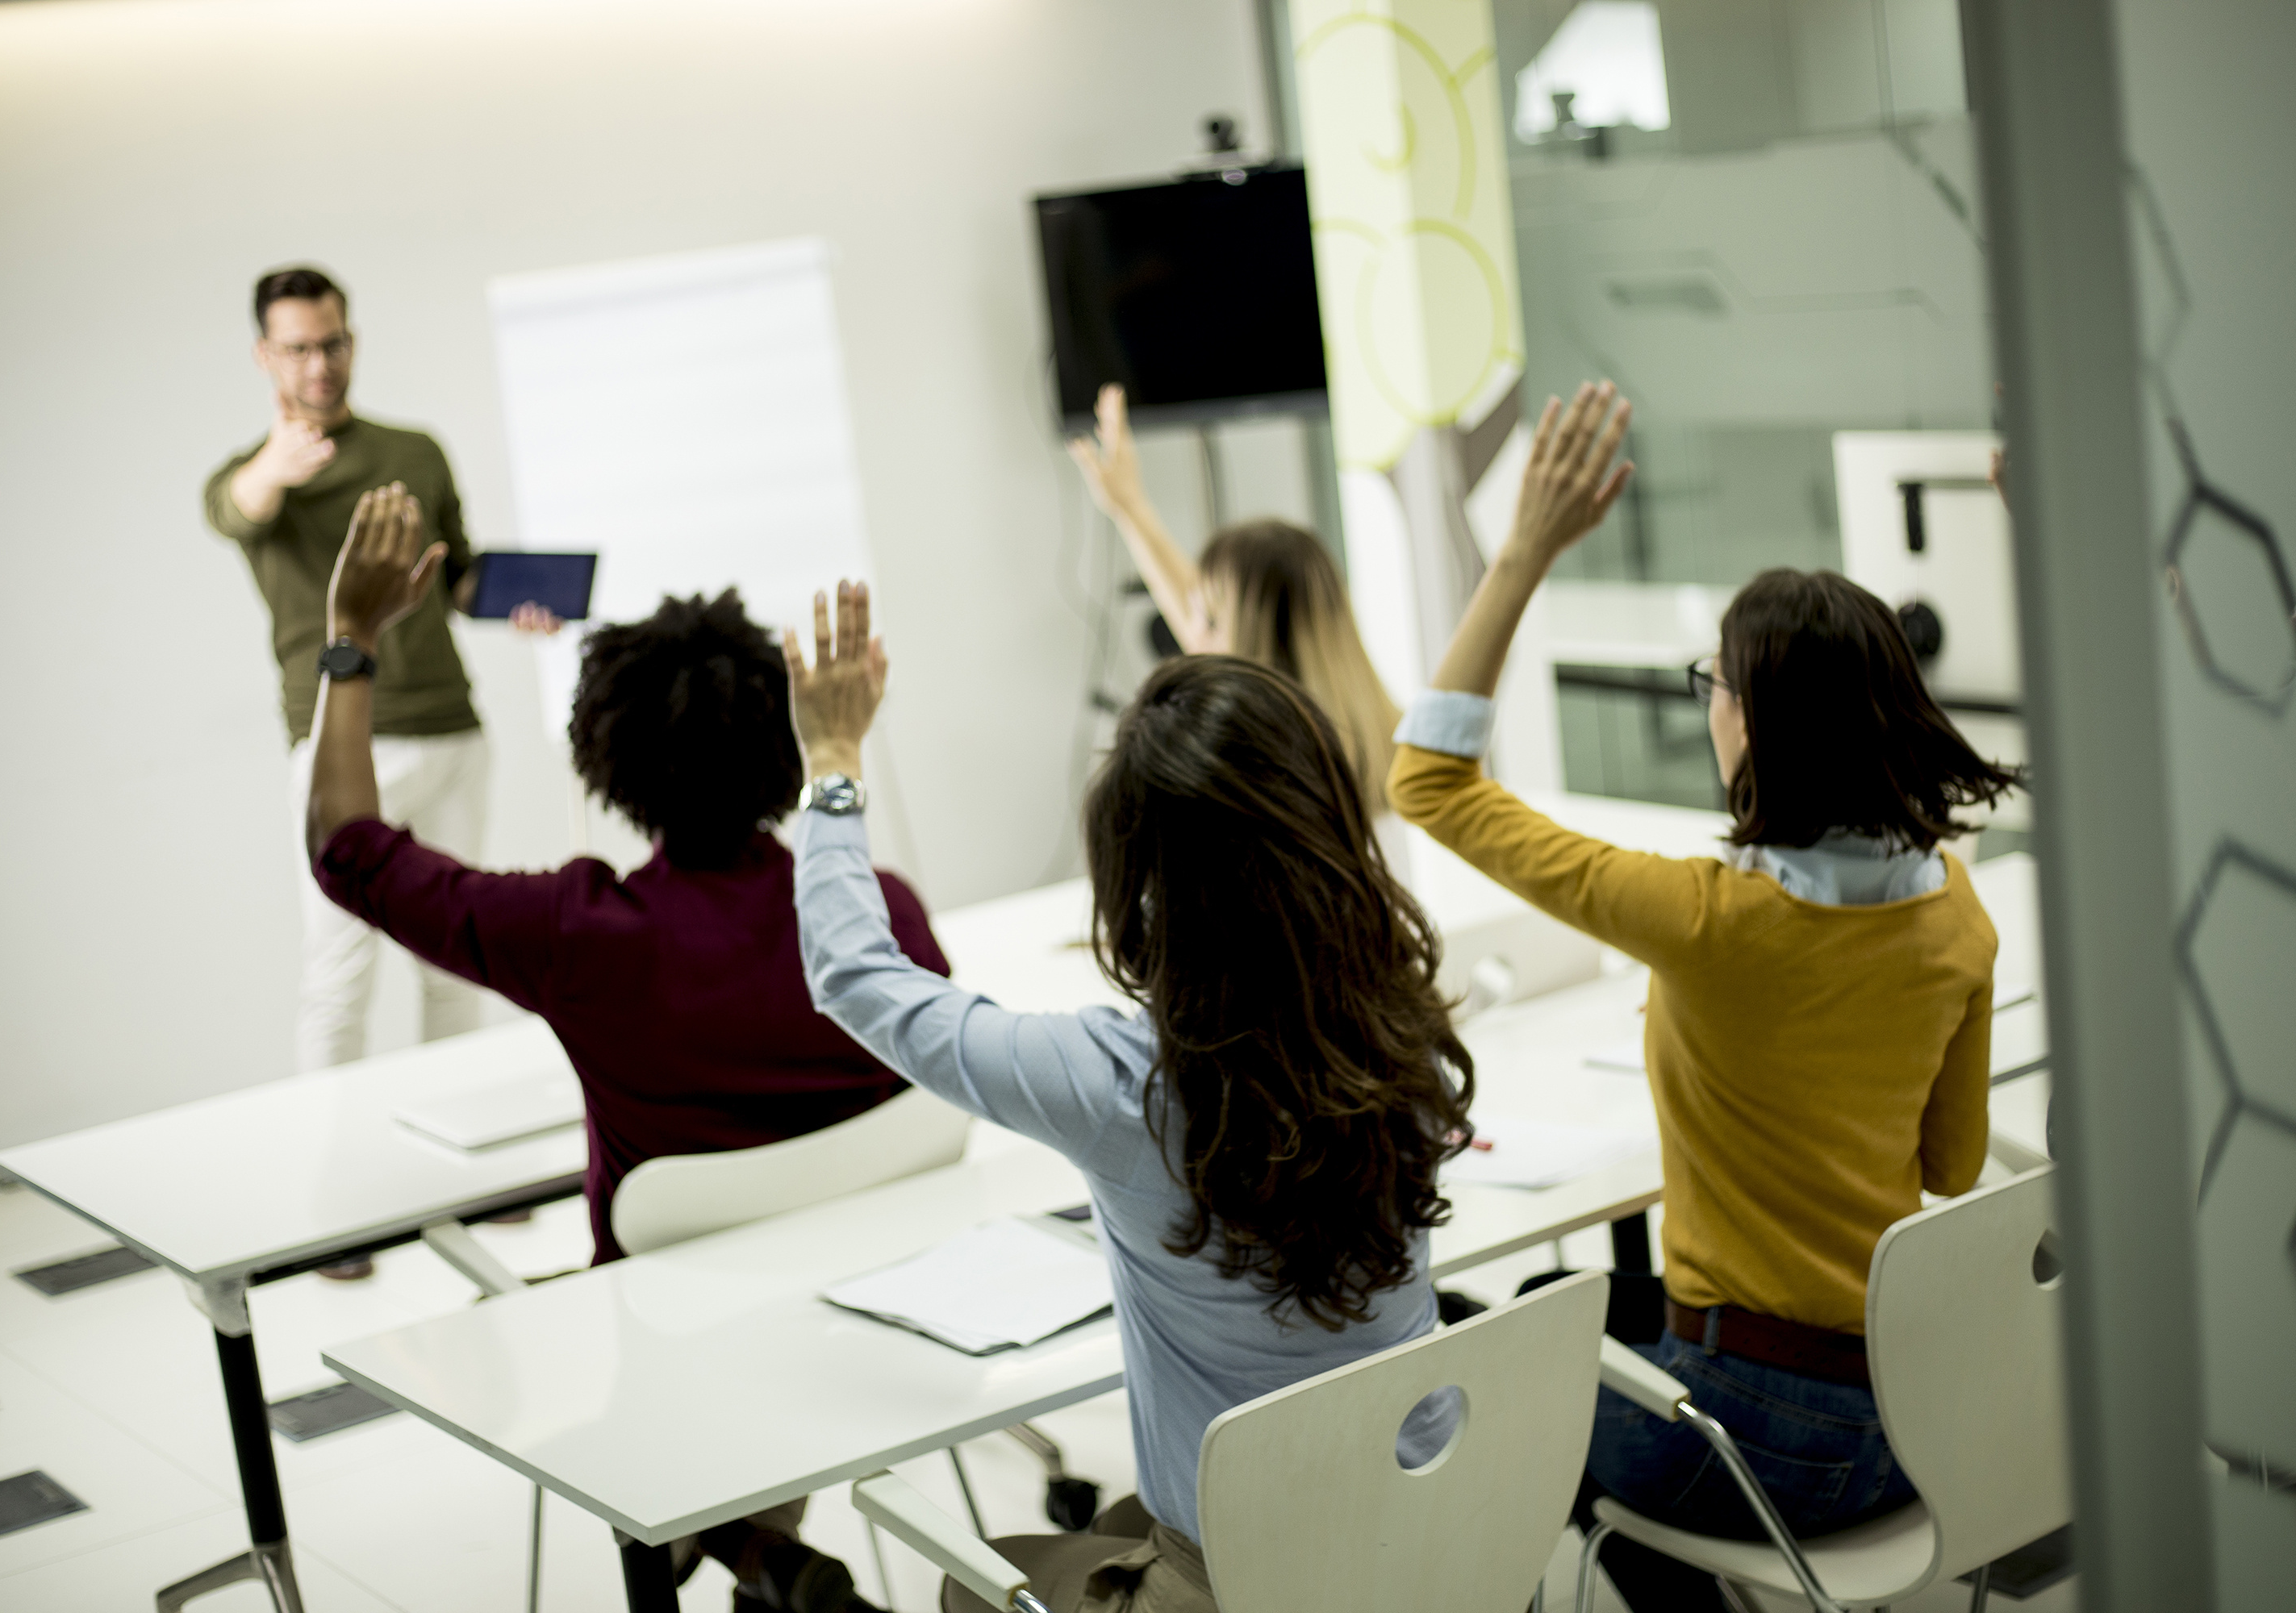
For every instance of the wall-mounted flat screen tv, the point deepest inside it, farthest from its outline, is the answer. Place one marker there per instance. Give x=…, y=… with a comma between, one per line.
x=1197, y=294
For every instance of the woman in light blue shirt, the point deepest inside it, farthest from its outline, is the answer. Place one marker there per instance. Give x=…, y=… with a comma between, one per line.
x=1261, y=1140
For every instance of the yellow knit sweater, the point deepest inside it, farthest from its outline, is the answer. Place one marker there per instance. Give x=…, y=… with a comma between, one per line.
x=1815, y=1068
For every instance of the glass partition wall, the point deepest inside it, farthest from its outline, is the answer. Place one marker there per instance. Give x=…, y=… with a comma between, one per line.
x=1759, y=218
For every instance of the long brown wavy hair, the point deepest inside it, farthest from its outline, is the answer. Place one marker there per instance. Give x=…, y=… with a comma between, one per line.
x=1289, y=610
x=1239, y=895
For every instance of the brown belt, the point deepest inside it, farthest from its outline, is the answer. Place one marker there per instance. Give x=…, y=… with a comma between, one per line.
x=1814, y=1352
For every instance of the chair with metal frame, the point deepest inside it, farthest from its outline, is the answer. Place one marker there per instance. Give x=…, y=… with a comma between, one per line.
x=1302, y=1500
x=1962, y=1329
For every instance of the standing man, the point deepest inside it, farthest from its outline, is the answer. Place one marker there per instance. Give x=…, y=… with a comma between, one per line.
x=287, y=503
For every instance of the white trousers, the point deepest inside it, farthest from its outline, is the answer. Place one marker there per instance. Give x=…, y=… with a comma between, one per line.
x=437, y=787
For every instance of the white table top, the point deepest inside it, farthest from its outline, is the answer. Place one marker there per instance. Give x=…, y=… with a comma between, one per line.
x=675, y=1390
x=292, y=1170
x=587, y=1385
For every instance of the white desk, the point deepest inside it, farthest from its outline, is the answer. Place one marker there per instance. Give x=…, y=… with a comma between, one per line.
x=590, y=1386
x=273, y=1180
x=617, y=1387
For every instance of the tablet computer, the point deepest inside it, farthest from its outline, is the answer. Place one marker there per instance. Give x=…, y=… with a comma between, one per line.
x=511, y=577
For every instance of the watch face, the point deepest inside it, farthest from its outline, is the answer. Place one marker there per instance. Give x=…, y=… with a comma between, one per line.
x=835, y=794
x=345, y=660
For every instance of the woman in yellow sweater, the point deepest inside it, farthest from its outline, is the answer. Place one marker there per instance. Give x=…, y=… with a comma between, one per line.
x=1820, y=1004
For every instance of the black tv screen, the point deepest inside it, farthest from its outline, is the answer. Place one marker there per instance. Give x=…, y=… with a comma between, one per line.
x=1197, y=295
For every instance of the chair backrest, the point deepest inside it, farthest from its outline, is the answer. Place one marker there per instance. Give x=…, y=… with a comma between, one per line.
x=1963, y=1333
x=680, y=1196
x=1305, y=1509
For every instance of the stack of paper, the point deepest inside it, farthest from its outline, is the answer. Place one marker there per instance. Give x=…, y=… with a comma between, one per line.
x=505, y=1112
x=1511, y=1151
x=1005, y=1284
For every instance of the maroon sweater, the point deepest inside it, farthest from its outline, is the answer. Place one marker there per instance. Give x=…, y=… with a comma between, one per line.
x=677, y=993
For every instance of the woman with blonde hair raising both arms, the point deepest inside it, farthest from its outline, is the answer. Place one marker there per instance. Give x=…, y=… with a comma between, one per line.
x=1265, y=590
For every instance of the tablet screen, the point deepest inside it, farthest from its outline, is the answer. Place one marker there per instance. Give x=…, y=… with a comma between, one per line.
x=511, y=577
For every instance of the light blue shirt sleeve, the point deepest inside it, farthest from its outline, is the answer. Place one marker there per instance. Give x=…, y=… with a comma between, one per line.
x=1062, y=1079
x=1450, y=721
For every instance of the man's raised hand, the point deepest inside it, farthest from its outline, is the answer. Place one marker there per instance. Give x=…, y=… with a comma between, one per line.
x=384, y=568
x=294, y=452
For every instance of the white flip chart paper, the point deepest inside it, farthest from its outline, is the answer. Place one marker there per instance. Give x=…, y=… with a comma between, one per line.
x=684, y=417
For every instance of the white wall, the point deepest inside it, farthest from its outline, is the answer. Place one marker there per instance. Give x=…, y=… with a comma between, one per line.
x=156, y=154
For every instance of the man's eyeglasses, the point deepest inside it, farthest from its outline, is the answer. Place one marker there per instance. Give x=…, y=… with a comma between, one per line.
x=334, y=349
x=1704, y=678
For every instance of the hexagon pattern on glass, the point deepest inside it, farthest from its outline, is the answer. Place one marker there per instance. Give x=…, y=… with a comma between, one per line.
x=2248, y=1295
x=2234, y=946
x=2232, y=589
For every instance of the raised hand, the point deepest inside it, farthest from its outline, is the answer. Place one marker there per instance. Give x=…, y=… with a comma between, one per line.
x=833, y=704
x=294, y=452
x=1112, y=471
x=1569, y=484
x=1109, y=461
x=1568, y=488
x=384, y=568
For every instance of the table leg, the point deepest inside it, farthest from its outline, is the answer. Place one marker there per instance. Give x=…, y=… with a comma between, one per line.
x=1630, y=1242
x=647, y=1579
x=266, y=1560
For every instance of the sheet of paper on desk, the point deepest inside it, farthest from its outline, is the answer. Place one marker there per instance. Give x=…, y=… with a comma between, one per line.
x=504, y=1112
x=1006, y=1283
x=1509, y=1150
x=1626, y=1056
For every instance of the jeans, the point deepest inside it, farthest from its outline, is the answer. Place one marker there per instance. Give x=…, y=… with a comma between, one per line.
x=435, y=785
x=1816, y=1447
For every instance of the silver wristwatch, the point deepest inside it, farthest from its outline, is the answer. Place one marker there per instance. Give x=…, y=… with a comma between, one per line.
x=834, y=794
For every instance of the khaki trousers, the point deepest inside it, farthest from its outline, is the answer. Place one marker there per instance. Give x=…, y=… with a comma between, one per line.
x=1129, y=1563
x=435, y=785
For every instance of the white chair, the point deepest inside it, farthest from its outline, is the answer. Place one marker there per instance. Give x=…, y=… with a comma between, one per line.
x=1963, y=1320
x=680, y=1196
x=1305, y=1508
x=676, y=1196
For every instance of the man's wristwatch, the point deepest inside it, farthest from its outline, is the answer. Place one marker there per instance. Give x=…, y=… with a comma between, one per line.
x=834, y=794
x=344, y=660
